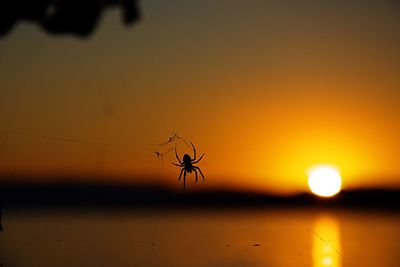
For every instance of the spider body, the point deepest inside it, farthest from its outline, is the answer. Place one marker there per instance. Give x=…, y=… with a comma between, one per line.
x=187, y=160
x=187, y=165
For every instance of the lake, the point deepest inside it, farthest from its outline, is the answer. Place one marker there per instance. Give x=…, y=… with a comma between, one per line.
x=197, y=238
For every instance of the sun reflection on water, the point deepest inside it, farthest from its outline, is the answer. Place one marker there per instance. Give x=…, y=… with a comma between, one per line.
x=326, y=250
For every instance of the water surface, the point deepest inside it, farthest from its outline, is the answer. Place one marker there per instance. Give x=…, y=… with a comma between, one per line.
x=264, y=237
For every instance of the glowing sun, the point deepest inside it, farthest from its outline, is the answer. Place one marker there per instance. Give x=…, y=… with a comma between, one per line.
x=324, y=181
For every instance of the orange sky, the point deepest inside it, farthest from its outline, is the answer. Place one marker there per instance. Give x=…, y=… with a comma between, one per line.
x=266, y=90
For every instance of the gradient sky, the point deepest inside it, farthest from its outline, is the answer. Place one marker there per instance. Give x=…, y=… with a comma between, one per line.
x=267, y=89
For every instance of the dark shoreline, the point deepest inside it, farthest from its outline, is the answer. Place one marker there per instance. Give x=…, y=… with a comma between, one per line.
x=107, y=196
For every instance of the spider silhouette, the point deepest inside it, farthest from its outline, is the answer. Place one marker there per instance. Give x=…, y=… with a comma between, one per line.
x=187, y=165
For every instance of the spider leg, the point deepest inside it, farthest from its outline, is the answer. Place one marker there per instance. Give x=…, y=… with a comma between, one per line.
x=176, y=154
x=197, y=168
x=180, y=174
x=193, y=162
x=194, y=151
x=184, y=179
x=195, y=172
x=179, y=165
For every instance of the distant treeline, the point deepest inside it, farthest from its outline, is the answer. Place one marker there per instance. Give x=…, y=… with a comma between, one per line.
x=58, y=195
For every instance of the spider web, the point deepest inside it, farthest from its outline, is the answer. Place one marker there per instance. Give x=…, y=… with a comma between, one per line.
x=168, y=146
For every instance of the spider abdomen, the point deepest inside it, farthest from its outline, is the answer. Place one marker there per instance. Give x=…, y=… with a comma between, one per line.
x=187, y=160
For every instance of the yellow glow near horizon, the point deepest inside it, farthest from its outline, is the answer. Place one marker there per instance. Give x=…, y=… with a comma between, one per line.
x=324, y=181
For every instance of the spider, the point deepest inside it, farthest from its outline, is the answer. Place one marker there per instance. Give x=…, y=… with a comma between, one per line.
x=187, y=165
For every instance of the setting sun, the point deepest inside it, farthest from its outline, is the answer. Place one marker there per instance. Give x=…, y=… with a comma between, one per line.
x=324, y=181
